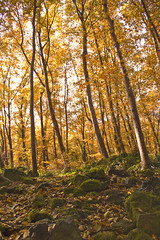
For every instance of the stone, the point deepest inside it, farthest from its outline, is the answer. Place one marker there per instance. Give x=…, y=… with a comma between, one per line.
x=65, y=229
x=38, y=201
x=105, y=236
x=97, y=173
x=78, y=179
x=149, y=223
x=137, y=234
x=4, y=181
x=39, y=231
x=91, y=186
x=14, y=174
x=141, y=202
x=151, y=185
x=123, y=226
x=57, y=202
x=36, y=215
x=115, y=196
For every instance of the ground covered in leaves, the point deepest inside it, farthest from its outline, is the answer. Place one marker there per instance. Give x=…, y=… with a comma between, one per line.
x=96, y=207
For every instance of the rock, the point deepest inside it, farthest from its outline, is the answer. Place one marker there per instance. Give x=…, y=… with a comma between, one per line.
x=97, y=173
x=149, y=223
x=123, y=226
x=65, y=229
x=137, y=234
x=68, y=190
x=105, y=236
x=78, y=179
x=57, y=202
x=14, y=174
x=115, y=196
x=141, y=202
x=38, y=201
x=4, y=181
x=91, y=186
x=39, y=231
x=36, y=215
x=151, y=185
x=11, y=190
x=43, y=186
x=118, y=172
x=78, y=192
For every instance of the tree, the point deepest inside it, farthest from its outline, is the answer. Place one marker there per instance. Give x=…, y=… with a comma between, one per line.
x=33, y=139
x=81, y=15
x=135, y=116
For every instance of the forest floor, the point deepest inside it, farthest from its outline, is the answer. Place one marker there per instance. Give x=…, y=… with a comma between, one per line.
x=93, y=211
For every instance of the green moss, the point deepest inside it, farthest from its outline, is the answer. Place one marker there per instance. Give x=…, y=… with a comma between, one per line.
x=141, y=201
x=137, y=234
x=57, y=202
x=38, y=201
x=97, y=173
x=27, y=180
x=91, y=186
x=79, y=192
x=68, y=190
x=78, y=179
x=36, y=215
x=105, y=236
x=3, y=228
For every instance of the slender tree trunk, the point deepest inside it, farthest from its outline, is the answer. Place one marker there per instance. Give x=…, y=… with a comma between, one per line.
x=54, y=120
x=9, y=132
x=65, y=109
x=90, y=103
x=42, y=132
x=117, y=135
x=33, y=144
x=153, y=30
x=25, y=159
x=145, y=161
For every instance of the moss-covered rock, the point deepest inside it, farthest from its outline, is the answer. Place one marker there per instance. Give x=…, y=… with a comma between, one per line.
x=97, y=173
x=137, y=234
x=105, y=236
x=14, y=174
x=79, y=192
x=91, y=186
x=149, y=223
x=38, y=201
x=78, y=179
x=36, y=215
x=68, y=190
x=27, y=180
x=139, y=202
x=57, y=202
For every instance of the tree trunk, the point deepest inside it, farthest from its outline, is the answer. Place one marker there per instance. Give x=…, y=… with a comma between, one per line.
x=54, y=120
x=44, y=150
x=145, y=161
x=33, y=144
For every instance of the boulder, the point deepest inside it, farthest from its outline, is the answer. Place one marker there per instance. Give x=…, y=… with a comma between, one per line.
x=141, y=202
x=39, y=231
x=36, y=215
x=123, y=226
x=4, y=181
x=151, y=185
x=78, y=179
x=137, y=234
x=65, y=229
x=14, y=174
x=57, y=202
x=97, y=173
x=149, y=223
x=91, y=186
x=105, y=236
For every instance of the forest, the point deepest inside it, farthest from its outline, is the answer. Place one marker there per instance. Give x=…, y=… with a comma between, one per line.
x=79, y=97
